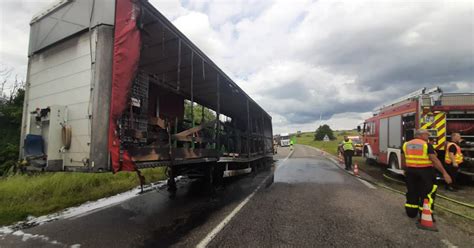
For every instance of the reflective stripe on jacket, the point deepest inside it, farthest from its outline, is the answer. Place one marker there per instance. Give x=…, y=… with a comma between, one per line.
x=458, y=157
x=416, y=153
x=347, y=145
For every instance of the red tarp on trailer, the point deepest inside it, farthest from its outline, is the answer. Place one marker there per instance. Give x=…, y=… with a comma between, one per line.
x=126, y=55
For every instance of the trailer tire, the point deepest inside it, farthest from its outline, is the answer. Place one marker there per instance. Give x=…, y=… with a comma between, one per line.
x=218, y=174
x=66, y=135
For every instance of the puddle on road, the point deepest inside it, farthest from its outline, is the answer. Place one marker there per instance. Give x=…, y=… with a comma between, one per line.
x=301, y=170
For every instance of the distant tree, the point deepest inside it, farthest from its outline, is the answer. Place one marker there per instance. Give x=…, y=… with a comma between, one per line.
x=323, y=131
x=198, y=114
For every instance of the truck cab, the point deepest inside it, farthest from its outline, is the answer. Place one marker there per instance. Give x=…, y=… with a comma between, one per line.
x=284, y=139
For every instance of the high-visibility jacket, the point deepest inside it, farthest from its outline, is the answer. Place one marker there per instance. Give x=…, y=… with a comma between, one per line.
x=347, y=145
x=458, y=157
x=416, y=153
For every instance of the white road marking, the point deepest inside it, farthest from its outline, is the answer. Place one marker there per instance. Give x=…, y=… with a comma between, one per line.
x=210, y=236
x=289, y=154
x=448, y=244
x=369, y=185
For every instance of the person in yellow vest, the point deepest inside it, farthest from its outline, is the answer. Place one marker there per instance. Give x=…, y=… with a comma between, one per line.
x=420, y=161
x=453, y=158
x=348, y=149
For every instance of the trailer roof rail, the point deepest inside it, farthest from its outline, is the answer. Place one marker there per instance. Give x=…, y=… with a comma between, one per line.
x=50, y=8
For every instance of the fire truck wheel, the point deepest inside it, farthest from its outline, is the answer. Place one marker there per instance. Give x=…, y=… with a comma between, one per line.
x=370, y=161
x=393, y=162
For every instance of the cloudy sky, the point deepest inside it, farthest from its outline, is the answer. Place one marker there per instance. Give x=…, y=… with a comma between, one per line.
x=302, y=59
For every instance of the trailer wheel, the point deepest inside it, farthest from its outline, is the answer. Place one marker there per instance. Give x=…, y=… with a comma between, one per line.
x=218, y=175
x=210, y=178
x=393, y=162
x=254, y=166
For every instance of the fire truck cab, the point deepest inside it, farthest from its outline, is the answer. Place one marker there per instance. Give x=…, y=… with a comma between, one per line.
x=395, y=123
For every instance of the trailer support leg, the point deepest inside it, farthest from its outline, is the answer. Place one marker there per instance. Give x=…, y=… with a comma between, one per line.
x=141, y=178
x=171, y=182
x=211, y=179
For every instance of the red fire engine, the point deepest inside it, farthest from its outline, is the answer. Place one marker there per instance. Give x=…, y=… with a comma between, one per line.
x=431, y=109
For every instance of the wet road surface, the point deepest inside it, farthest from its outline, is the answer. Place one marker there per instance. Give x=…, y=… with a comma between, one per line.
x=306, y=201
x=312, y=203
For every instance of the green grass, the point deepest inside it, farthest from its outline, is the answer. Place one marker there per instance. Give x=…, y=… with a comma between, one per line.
x=328, y=146
x=40, y=194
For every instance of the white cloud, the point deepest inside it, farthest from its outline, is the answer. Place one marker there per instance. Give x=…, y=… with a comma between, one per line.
x=301, y=58
x=169, y=8
x=15, y=16
x=196, y=25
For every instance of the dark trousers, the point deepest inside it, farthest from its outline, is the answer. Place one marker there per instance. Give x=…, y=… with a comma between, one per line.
x=420, y=186
x=452, y=171
x=348, y=158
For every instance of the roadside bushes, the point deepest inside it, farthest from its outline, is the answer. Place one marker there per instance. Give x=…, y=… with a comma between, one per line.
x=10, y=123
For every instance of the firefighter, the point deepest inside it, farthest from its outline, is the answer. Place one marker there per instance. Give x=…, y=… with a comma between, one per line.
x=420, y=158
x=453, y=158
x=348, y=150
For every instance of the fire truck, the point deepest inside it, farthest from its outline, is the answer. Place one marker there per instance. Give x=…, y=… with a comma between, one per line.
x=440, y=113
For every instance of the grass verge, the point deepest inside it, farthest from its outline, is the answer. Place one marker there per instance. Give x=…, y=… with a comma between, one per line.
x=40, y=194
x=328, y=146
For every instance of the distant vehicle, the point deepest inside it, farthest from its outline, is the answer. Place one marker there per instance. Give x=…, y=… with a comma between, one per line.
x=440, y=113
x=284, y=139
x=358, y=145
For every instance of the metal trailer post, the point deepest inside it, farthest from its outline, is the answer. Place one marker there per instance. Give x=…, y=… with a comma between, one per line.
x=101, y=93
x=202, y=115
x=179, y=65
x=173, y=144
x=218, y=112
x=262, y=130
x=192, y=95
x=204, y=78
x=248, y=129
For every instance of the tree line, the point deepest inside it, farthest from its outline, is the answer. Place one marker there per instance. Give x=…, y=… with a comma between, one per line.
x=12, y=94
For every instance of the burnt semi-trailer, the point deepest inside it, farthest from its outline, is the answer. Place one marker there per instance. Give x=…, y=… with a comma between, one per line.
x=112, y=85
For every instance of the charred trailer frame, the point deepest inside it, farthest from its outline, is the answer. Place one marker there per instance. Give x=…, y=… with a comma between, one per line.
x=151, y=98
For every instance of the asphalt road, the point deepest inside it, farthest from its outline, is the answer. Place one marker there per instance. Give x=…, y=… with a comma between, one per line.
x=305, y=201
